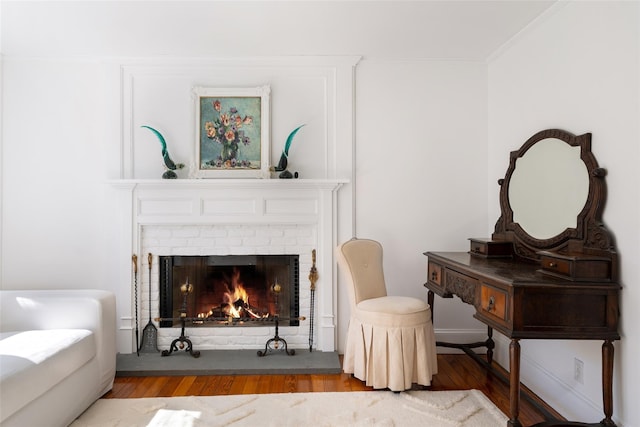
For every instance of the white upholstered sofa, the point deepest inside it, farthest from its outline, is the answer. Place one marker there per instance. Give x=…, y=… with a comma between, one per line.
x=57, y=354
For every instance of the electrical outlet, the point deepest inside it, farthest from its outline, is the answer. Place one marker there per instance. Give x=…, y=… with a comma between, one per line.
x=578, y=370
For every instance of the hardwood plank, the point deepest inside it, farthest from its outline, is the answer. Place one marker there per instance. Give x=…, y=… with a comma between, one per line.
x=155, y=387
x=122, y=388
x=147, y=382
x=251, y=385
x=303, y=383
x=330, y=384
x=170, y=386
x=264, y=384
x=237, y=384
x=290, y=384
x=277, y=384
x=225, y=384
x=196, y=387
x=357, y=385
x=184, y=385
x=212, y=386
x=317, y=383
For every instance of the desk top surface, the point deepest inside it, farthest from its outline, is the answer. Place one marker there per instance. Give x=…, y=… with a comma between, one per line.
x=511, y=271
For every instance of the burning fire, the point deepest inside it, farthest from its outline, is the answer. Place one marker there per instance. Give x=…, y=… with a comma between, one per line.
x=235, y=302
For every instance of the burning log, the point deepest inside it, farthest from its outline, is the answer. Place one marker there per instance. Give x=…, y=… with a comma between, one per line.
x=237, y=310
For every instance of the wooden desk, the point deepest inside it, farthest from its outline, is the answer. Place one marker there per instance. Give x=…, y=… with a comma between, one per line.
x=514, y=298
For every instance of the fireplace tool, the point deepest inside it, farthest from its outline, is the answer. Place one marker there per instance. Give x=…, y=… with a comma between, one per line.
x=186, y=289
x=134, y=259
x=150, y=332
x=313, y=278
x=276, y=340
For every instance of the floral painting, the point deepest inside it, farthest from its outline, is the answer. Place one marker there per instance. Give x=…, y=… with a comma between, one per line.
x=232, y=132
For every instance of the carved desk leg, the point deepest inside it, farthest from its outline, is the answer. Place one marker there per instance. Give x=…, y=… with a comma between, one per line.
x=490, y=345
x=607, y=383
x=430, y=296
x=514, y=383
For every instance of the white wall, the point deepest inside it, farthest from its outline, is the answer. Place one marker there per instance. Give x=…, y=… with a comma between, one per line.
x=420, y=169
x=54, y=211
x=578, y=70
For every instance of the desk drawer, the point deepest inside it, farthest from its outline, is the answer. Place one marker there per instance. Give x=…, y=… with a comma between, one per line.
x=493, y=301
x=578, y=267
x=434, y=272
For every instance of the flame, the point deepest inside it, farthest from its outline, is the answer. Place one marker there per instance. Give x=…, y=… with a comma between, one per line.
x=238, y=293
x=235, y=302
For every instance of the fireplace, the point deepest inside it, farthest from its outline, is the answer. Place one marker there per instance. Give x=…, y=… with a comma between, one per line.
x=206, y=217
x=230, y=290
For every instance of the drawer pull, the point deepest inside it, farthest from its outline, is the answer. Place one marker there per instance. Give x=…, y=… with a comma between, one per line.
x=492, y=303
x=553, y=265
x=434, y=276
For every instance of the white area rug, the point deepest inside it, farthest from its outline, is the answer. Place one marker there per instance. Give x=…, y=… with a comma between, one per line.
x=370, y=408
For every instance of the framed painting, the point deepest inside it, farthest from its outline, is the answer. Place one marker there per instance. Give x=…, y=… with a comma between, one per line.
x=232, y=132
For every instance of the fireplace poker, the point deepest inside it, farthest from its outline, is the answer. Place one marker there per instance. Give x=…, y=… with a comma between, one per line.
x=150, y=332
x=313, y=278
x=134, y=259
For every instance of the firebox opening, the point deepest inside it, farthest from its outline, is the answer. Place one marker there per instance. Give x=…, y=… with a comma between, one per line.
x=230, y=290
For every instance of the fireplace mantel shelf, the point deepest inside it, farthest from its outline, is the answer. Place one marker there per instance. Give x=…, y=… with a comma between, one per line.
x=275, y=184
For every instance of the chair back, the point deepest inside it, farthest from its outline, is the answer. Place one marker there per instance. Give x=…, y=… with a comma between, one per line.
x=363, y=258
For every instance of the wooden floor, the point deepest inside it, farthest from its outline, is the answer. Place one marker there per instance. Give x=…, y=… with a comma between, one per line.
x=456, y=372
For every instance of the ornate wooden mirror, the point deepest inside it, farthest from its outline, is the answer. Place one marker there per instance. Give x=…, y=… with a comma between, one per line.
x=551, y=202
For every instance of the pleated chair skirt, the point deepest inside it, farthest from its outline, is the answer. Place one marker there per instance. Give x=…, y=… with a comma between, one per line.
x=384, y=354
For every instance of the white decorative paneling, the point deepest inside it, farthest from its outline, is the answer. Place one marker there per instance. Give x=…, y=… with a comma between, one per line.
x=302, y=206
x=165, y=207
x=304, y=90
x=220, y=206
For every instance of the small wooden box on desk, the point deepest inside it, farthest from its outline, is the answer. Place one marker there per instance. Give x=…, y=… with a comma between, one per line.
x=490, y=248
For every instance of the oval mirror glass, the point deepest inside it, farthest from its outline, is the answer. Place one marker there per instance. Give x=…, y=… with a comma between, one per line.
x=549, y=188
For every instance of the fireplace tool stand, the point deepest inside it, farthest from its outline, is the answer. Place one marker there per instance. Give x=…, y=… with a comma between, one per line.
x=186, y=289
x=274, y=343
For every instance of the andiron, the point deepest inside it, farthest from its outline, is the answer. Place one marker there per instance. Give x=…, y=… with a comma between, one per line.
x=276, y=340
x=186, y=289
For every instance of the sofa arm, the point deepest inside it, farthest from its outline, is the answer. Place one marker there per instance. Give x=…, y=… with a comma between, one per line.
x=66, y=309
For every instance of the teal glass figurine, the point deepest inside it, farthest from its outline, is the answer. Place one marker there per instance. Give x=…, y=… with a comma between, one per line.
x=168, y=163
x=282, y=164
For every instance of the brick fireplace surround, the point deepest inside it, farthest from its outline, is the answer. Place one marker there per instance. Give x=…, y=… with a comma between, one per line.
x=228, y=217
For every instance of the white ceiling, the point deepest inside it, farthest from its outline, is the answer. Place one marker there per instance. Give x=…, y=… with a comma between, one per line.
x=459, y=30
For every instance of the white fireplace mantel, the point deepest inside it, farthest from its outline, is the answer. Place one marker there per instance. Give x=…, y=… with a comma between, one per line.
x=230, y=202
x=282, y=184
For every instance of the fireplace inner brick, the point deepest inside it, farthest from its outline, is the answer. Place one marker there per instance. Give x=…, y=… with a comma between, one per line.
x=230, y=290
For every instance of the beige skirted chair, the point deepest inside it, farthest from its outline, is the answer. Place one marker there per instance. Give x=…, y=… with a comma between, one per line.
x=390, y=342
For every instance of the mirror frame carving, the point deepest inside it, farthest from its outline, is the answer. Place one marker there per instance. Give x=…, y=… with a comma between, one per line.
x=590, y=235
